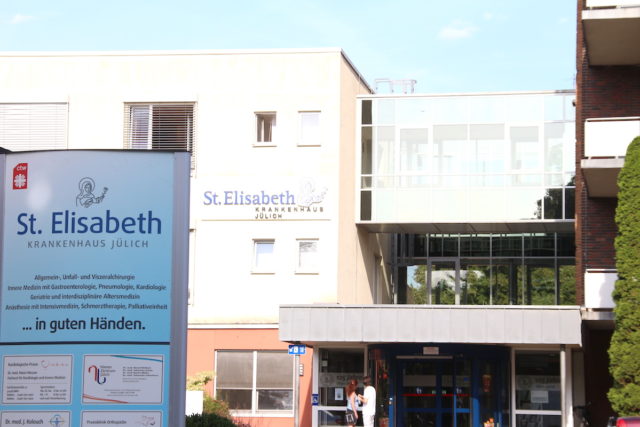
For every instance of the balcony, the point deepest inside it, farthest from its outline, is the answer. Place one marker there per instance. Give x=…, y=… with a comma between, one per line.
x=605, y=145
x=612, y=31
x=598, y=286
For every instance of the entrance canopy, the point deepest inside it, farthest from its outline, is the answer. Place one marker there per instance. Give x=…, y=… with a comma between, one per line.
x=515, y=325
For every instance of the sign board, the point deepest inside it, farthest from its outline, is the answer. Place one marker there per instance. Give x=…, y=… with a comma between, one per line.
x=270, y=198
x=93, y=287
x=297, y=349
x=430, y=351
x=315, y=399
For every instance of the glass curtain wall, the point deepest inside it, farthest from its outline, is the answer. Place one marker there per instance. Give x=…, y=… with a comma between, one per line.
x=498, y=158
x=489, y=269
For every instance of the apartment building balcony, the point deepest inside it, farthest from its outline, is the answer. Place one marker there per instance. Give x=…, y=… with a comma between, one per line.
x=605, y=145
x=612, y=31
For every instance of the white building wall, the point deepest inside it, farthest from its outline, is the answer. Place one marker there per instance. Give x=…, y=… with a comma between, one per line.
x=227, y=88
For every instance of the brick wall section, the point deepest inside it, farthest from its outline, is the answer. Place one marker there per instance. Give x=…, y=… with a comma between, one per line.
x=604, y=91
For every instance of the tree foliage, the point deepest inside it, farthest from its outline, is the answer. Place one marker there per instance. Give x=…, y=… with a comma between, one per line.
x=624, y=351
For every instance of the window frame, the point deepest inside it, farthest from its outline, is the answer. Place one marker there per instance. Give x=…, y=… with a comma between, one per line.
x=314, y=268
x=34, y=126
x=189, y=128
x=315, y=141
x=262, y=269
x=255, y=410
x=514, y=381
x=260, y=121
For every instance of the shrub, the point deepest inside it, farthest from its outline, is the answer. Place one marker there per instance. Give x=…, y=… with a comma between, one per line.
x=208, y=420
x=213, y=406
x=624, y=351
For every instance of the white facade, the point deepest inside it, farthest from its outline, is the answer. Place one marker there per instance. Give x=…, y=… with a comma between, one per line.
x=305, y=90
x=272, y=182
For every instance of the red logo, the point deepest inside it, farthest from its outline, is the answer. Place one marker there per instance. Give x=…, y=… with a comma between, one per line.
x=21, y=176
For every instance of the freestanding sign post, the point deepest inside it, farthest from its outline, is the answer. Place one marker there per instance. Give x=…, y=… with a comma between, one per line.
x=93, y=288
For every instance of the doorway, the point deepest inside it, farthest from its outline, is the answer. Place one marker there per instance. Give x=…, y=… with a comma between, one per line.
x=434, y=391
x=448, y=391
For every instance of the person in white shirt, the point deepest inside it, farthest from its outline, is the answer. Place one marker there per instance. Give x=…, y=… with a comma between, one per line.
x=369, y=403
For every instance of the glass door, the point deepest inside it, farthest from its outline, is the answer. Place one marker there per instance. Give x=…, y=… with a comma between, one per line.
x=434, y=392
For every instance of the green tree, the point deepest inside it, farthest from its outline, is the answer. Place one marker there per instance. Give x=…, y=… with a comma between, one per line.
x=624, y=351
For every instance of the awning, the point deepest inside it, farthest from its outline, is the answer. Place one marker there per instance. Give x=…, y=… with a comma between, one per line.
x=515, y=325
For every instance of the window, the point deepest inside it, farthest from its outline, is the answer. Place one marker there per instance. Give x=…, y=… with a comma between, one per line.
x=263, y=259
x=33, y=126
x=255, y=381
x=309, y=128
x=163, y=126
x=266, y=127
x=307, y=256
x=337, y=367
x=538, y=394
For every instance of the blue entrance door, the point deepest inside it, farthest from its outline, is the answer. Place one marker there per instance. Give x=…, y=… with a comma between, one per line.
x=434, y=392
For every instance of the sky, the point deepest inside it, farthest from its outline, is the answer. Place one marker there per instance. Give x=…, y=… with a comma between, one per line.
x=448, y=46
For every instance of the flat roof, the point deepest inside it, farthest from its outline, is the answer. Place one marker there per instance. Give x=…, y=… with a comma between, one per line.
x=203, y=52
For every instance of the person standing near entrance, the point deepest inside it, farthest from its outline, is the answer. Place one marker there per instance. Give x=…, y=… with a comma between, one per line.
x=369, y=401
x=351, y=416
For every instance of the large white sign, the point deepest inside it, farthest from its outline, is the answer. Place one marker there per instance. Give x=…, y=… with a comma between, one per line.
x=93, y=280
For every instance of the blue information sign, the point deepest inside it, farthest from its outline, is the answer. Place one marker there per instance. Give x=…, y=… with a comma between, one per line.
x=89, y=263
x=297, y=349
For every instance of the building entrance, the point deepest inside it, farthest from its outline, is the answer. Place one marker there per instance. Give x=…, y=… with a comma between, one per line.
x=448, y=391
x=434, y=392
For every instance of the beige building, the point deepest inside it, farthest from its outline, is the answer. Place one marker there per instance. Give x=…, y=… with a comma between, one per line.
x=272, y=188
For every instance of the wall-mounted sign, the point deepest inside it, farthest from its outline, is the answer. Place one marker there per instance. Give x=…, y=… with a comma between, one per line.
x=93, y=287
x=297, y=349
x=269, y=198
x=430, y=351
